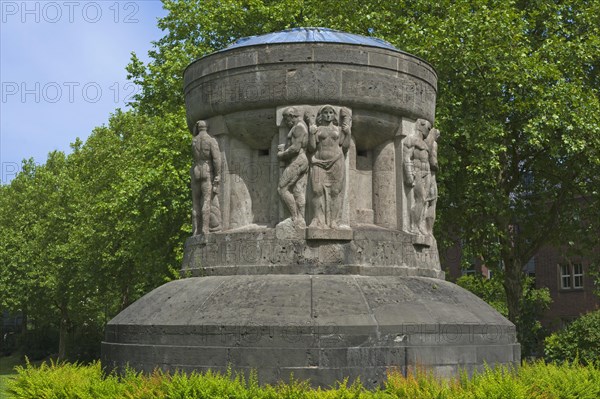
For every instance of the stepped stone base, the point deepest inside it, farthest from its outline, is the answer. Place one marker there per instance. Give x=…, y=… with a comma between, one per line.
x=364, y=250
x=318, y=327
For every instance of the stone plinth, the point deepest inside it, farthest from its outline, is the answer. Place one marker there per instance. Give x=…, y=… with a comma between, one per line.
x=320, y=327
x=365, y=251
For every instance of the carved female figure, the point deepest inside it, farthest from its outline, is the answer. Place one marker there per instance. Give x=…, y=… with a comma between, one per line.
x=328, y=143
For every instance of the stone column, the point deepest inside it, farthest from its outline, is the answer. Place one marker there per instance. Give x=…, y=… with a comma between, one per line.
x=346, y=202
x=353, y=189
x=241, y=166
x=218, y=129
x=275, y=204
x=384, y=185
x=402, y=201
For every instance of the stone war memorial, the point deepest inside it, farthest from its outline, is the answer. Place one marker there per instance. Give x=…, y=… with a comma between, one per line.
x=314, y=193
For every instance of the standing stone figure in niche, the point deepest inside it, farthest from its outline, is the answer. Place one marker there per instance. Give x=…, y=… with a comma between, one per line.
x=417, y=174
x=292, y=184
x=432, y=193
x=206, y=176
x=328, y=142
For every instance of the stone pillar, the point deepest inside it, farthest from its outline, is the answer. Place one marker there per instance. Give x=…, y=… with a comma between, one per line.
x=353, y=189
x=241, y=164
x=402, y=201
x=275, y=203
x=384, y=185
x=218, y=129
x=346, y=192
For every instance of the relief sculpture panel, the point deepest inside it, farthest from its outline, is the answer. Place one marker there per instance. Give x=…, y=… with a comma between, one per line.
x=419, y=167
x=328, y=143
x=292, y=183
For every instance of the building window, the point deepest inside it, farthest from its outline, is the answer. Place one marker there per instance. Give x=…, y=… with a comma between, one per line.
x=565, y=321
x=469, y=271
x=571, y=276
x=530, y=267
x=578, y=275
x=565, y=277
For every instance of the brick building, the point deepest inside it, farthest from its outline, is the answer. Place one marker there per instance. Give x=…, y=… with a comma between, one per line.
x=568, y=279
x=570, y=283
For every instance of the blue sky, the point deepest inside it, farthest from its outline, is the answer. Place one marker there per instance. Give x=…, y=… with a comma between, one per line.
x=62, y=70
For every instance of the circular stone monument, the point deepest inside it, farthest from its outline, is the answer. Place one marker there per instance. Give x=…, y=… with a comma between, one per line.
x=314, y=192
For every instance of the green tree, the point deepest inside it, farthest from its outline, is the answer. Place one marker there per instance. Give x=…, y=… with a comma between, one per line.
x=518, y=105
x=89, y=233
x=135, y=172
x=15, y=205
x=40, y=264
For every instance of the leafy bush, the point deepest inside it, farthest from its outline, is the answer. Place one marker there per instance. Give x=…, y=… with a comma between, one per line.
x=532, y=380
x=579, y=341
x=65, y=380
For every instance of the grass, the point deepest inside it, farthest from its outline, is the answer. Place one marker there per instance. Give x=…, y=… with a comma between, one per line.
x=7, y=369
x=7, y=365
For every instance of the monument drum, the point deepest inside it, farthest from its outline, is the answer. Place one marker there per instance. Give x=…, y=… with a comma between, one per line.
x=350, y=285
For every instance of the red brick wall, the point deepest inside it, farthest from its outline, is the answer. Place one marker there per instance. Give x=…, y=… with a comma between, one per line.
x=566, y=304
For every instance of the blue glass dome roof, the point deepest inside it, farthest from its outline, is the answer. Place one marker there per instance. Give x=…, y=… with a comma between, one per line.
x=315, y=35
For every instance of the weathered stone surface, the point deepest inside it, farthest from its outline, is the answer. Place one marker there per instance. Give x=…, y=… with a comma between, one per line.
x=417, y=174
x=363, y=250
x=376, y=94
x=291, y=73
x=329, y=234
x=320, y=327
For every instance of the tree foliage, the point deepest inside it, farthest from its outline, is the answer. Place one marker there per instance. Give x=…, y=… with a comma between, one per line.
x=88, y=233
x=518, y=107
x=576, y=342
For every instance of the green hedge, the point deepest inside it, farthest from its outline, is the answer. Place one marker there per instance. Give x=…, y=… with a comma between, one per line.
x=534, y=380
x=579, y=341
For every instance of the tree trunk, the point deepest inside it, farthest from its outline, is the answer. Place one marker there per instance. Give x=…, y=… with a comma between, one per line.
x=24, y=319
x=513, y=286
x=125, y=297
x=63, y=333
